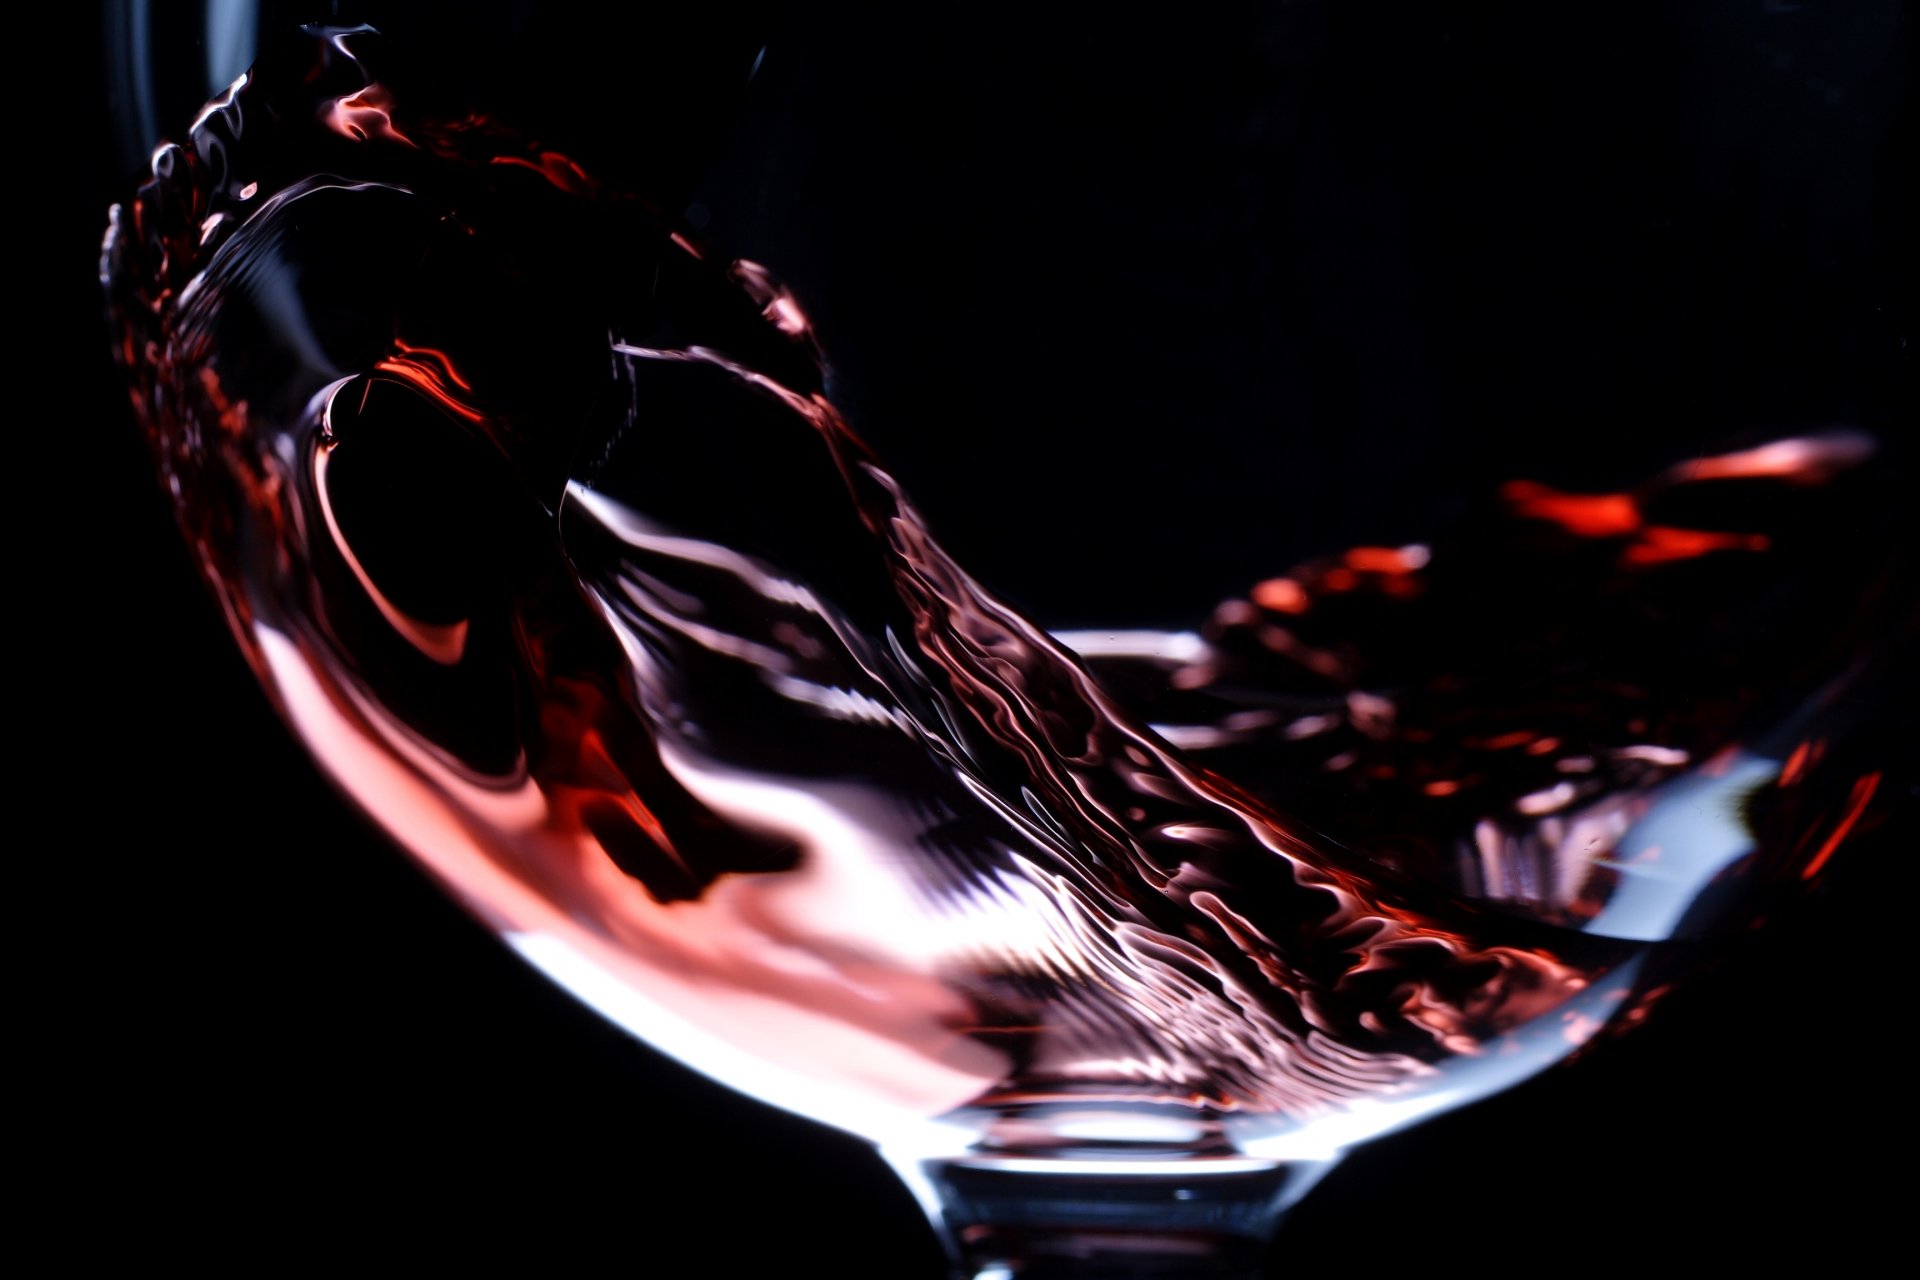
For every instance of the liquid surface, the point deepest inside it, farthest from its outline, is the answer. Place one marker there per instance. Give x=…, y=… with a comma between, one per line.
x=540, y=525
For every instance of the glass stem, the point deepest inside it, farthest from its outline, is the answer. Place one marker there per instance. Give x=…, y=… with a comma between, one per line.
x=1107, y=1220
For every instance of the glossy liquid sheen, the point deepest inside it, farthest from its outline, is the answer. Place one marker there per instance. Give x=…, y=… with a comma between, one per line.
x=540, y=526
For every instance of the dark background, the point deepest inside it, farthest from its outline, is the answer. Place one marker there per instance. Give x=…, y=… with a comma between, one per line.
x=1379, y=251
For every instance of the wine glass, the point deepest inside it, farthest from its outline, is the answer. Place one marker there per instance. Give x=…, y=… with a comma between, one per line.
x=1006, y=1142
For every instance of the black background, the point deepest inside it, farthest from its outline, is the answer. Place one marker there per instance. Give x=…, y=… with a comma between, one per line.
x=1550, y=242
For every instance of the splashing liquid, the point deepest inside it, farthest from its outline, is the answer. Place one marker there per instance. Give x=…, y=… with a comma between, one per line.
x=542, y=529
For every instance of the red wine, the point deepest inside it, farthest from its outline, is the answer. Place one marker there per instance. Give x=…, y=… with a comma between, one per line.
x=540, y=524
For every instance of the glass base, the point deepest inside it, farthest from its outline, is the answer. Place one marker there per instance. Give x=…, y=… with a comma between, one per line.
x=1113, y=1218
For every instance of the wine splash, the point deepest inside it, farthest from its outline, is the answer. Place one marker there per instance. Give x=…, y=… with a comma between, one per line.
x=541, y=527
